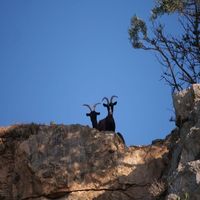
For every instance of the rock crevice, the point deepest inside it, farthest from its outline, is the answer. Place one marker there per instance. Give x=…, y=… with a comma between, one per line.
x=73, y=162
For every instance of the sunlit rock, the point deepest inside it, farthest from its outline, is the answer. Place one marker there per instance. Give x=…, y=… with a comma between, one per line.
x=75, y=162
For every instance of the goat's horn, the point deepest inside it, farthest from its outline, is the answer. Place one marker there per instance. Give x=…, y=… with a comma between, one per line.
x=113, y=98
x=94, y=106
x=106, y=100
x=88, y=106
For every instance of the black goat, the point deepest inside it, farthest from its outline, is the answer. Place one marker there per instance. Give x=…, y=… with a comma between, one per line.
x=93, y=115
x=108, y=123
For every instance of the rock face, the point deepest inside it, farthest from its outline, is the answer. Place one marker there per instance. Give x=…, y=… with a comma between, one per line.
x=184, y=173
x=74, y=162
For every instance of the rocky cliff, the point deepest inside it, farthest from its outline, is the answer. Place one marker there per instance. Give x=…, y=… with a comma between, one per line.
x=74, y=162
x=184, y=172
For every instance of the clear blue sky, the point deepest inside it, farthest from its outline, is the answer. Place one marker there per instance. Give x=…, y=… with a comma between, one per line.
x=56, y=55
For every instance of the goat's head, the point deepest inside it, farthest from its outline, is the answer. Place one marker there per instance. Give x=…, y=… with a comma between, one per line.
x=93, y=114
x=109, y=104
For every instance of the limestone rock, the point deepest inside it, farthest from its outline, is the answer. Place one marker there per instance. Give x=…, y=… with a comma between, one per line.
x=184, y=173
x=75, y=162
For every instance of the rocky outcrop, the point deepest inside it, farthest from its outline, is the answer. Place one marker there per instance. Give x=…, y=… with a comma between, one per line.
x=184, y=173
x=75, y=162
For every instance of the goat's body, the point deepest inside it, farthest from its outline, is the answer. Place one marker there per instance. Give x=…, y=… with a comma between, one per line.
x=107, y=124
x=94, y=124
x=102, y=125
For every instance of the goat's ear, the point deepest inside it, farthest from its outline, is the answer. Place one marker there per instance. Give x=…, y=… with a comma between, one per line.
x=105, y=105
x=115, y=103
x=87, y=114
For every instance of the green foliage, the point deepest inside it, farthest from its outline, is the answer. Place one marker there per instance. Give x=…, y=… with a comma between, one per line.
x=167, y=6
x=186, y=197
x=138, y=26
x=52, y=123
x=179, y=55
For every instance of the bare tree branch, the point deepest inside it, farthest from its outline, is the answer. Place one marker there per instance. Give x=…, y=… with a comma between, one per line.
x=179, y=55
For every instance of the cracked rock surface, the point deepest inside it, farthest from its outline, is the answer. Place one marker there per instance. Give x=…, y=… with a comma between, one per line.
x=75, y=162
x=184, y=171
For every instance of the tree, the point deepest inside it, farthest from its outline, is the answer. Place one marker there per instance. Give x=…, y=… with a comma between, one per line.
x=179, y=55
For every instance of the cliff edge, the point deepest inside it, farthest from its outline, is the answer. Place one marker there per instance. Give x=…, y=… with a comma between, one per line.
x=75, y=162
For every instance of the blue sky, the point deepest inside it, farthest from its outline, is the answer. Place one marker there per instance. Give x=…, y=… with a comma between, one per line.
x=57, y=55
